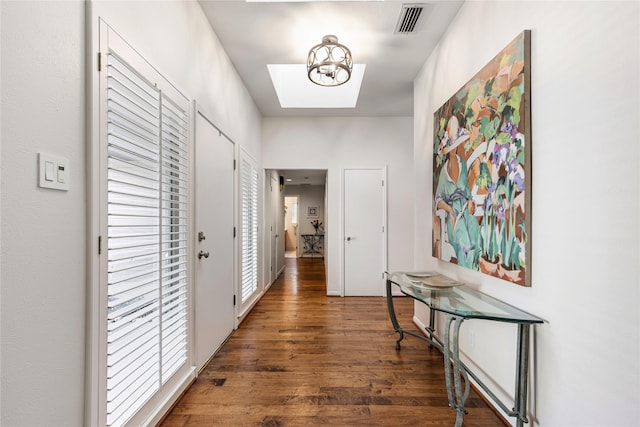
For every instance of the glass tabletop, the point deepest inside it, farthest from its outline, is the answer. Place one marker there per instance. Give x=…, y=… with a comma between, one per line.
x=444, y=294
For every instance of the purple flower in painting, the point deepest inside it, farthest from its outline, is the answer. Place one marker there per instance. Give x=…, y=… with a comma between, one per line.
x=496, y=155
x=500, y=213
x=500, y=154
x=488, y=201
x=513, y=164
x=518, y=180
x=510, y=128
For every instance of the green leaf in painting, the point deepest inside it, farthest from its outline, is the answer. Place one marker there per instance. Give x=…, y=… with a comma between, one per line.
x=515, y=98
x=488, y=86
x=503, y=138
x=473, y=94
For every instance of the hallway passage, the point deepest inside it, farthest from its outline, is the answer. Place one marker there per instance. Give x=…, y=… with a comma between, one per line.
x=301, y=358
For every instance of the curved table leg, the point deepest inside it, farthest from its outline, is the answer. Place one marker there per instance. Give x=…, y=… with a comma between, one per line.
x=392, y=315
x=447, y=360
x=457, y=396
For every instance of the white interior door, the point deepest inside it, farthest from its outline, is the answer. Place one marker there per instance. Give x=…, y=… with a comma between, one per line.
x=214, y=218
x=364, y=232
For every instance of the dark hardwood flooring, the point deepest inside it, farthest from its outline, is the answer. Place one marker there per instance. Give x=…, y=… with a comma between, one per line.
x=301, y=358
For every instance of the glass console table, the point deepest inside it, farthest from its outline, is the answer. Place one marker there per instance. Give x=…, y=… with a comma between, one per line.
x=313, y=244
x=459, y=302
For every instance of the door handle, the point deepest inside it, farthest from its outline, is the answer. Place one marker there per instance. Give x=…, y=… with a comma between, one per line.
x=203, y=254
x=348, y=239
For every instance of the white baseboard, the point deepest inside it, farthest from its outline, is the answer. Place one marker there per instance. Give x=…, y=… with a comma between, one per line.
x=420, y=325
x=166, y=405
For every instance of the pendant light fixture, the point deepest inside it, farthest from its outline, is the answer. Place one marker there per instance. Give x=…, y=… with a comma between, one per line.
x=329, y=63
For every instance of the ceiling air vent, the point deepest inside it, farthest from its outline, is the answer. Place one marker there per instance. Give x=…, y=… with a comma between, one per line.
x=408, y=19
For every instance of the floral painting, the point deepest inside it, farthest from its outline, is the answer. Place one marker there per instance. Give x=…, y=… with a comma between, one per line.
x=481, y=169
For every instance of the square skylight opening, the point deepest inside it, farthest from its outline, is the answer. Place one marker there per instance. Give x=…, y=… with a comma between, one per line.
x=295, y=90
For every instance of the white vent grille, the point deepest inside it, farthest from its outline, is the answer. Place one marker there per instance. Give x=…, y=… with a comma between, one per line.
x=408, y=19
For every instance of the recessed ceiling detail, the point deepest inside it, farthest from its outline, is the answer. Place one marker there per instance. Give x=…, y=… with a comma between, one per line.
x=408, y=19
x=295, y=90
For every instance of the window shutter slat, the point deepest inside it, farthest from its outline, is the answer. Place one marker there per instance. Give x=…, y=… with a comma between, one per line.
x=174, y=180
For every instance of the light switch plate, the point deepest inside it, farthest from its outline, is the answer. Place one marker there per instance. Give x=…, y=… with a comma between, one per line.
x=59, y=179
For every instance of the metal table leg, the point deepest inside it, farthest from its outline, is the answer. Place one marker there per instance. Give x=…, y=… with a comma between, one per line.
x=457, y=396
x=522, y=375
x=392, y=315
x=432, y=340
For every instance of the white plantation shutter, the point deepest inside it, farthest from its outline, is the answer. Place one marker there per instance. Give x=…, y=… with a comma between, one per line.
x=174, y=237
x=146, y=330
x=249, y=189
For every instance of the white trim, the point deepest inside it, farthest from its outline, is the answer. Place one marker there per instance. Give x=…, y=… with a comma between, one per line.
x=191, y=266
x=102, y=37
x=92, y=371
x=252, y=303
x=385, y=224
x=163, y=407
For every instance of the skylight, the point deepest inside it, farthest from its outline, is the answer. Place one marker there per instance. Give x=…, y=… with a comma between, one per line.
x=295, y=90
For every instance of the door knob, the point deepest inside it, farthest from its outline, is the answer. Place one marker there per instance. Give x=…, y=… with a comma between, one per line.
x=348, y=239
x=203, y=254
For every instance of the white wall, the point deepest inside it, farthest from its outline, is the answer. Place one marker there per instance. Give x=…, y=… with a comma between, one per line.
x=43, y=231
x=0, y=207
x=335, y=143
x=586, y=192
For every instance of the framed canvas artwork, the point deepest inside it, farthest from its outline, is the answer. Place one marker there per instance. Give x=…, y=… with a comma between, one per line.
x=482, y=169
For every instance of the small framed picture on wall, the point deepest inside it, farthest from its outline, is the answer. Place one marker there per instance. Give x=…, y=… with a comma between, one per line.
x=312, y=212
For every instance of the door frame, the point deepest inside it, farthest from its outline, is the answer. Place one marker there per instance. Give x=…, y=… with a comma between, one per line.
x=384, y=207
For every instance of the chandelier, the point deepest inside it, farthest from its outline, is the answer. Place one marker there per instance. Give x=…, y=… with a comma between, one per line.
x=329, y=63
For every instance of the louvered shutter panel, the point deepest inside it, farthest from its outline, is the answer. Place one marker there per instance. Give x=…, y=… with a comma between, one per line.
x=133, y=218
x=174, y=237
x=249, y=189
x=147, y=239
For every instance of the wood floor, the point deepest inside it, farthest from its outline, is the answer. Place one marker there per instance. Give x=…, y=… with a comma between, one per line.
x=301, y=358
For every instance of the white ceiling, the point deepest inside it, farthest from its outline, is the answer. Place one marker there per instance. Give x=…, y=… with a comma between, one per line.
x=255, y=34
x=304, y=176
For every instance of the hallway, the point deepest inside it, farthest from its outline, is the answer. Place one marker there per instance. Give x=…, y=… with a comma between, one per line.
x=302, y=358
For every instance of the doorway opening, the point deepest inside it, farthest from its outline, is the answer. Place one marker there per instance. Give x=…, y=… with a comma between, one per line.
x=301, y=211
x=291, y=226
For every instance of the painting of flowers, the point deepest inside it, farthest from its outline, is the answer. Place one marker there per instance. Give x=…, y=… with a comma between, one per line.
x=481, y=169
